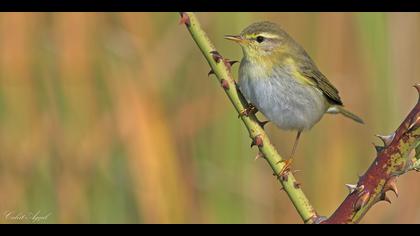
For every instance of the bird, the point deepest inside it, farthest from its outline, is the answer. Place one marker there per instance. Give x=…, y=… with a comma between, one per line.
x=278, y=78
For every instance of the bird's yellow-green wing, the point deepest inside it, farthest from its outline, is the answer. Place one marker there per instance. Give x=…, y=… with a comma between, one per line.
x=306, y=72
x=322, y=83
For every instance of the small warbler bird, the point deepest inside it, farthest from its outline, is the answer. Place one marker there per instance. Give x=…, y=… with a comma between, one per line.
x=279, y=79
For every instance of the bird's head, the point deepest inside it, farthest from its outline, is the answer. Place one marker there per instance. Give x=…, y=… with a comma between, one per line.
x=263, y=42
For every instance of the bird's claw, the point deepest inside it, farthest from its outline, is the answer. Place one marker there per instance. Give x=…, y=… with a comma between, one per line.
x=251, y=109
x=286, y=169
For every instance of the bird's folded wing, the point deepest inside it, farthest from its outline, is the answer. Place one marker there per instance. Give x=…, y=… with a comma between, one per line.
x=321, y=82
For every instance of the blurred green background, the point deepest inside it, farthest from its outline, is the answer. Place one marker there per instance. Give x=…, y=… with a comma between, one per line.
x=111, y=118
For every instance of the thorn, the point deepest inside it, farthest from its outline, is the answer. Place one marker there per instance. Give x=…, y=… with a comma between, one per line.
x=387, y=140
x=385, y=198
x=216, y=56
x=263, y=123
x=225, y=84
x=417, y=86
x=354, y=188
x=351, y=187
x=391, y=184
x=259, y=155
x=211, y=72
x=185, y=19
x=297, y=184
x=359, y=176
x=415, y=124
x=361, y=202
x=257, y=141
x=229, y=63
x=378, y=148
x=282, y=188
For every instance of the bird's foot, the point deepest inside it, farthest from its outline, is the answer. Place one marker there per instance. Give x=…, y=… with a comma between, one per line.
x=286, y=168
x=250, y=109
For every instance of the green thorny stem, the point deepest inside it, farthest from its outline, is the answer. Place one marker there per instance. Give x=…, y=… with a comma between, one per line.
x=221, y=69
x=393, y=159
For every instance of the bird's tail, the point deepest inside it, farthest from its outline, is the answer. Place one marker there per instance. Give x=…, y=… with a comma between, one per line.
x=341, y=110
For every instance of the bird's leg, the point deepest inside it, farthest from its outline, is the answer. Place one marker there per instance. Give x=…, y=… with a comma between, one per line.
x=250, y=109
x=295, y=144
x=288, y=162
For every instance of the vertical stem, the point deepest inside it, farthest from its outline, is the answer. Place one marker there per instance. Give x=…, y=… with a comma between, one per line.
x=257, y=134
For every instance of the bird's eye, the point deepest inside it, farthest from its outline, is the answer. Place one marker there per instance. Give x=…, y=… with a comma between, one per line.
x=260, y=39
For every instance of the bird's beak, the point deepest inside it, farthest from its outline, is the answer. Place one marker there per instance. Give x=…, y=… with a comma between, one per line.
x=235, y=38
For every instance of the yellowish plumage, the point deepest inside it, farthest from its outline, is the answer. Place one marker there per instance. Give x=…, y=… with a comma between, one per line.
x=289, y=62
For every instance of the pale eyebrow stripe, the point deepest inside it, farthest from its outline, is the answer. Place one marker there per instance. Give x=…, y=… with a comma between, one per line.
x=268, y=35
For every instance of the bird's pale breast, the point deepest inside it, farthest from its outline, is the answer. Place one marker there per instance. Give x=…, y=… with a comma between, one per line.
x=283, y=100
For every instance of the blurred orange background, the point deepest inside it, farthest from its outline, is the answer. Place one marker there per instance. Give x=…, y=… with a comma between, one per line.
x=111, y=118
